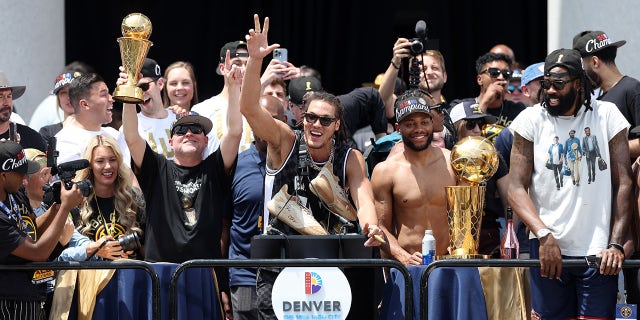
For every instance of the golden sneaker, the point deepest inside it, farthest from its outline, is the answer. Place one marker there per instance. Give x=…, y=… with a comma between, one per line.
x=286, y=208
x=327, y=188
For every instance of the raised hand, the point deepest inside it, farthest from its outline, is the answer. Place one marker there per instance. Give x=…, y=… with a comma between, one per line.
x=257, y=43
x=232, y=73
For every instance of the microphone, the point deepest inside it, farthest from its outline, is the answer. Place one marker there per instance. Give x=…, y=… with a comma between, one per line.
x=421, y=29
x=74, y=165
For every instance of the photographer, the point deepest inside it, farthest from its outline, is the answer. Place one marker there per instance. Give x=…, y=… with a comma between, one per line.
x=115, y=208
x=19, y=296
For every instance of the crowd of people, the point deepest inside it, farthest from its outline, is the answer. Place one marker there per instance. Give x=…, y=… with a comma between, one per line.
x=273, y=153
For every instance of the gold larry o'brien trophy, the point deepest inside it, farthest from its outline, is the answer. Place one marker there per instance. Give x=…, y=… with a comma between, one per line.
x=474, y=160
x=134, y=46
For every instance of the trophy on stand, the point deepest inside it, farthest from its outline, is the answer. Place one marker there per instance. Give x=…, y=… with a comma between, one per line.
x=134, y=46
x=474, y=160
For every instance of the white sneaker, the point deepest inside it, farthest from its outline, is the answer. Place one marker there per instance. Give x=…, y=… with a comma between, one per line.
x=327, y=188
x=287, y=209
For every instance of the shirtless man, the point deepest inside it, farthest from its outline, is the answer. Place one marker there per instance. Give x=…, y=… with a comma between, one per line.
x=409, y=186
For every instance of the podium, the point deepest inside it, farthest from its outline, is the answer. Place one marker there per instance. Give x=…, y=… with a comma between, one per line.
x=349, y=246
x=366, y=283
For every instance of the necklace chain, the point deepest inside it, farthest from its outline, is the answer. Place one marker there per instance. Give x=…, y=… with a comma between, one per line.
x=313, y=163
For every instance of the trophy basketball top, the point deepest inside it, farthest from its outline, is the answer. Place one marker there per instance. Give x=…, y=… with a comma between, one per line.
x=136, y=25
x=474, y=159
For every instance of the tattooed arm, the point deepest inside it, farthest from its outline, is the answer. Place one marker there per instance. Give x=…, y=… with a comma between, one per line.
x=519, y=181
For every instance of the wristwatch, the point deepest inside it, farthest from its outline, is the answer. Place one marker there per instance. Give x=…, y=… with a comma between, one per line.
x=542, y=233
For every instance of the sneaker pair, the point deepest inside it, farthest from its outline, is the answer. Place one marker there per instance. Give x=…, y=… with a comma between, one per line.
x=327, y=188
x=287, y=209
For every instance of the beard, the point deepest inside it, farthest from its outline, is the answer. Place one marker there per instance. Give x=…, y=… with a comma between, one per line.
x=564, y=105
x=409, y=144
x=594, y=77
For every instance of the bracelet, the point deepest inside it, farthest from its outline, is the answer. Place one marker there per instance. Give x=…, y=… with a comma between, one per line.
x=617, y=246
x=395, y=65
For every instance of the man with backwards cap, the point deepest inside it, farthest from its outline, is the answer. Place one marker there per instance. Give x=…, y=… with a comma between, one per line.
x=576, y=221
x=409, y=186
x=21, y=241
x=185, y=195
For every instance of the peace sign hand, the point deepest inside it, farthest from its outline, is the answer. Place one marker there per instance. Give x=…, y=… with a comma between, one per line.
x=257, y=43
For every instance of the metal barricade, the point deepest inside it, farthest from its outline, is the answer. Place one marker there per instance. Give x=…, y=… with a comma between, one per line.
x=173, y=287
x=424, y=289
x=94, y=265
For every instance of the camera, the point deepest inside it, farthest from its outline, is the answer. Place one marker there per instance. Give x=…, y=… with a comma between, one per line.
x=129, y=242
x=419, y=43
x=66, y=172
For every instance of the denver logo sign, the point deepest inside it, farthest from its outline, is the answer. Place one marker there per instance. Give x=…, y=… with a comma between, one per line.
x=311, y=294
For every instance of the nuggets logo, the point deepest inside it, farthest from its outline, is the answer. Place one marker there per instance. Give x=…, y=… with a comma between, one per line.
x=312, y=283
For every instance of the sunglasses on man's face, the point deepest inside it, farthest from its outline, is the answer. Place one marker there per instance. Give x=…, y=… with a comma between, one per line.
x=495, y=73
x=182, y=129
x=472, y=123
x=513, y=88
x=145, y=86
x=557, y=84
x=324, y=121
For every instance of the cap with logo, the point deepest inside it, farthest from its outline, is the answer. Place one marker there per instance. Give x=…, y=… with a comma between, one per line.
x=16, y=91
x=37, y=156
x=411, y=105
x=531, y=73
x=299, y=86
x=469, y=110
x=567, y=58
x=590, y=42
x=192, y=117
x=14, y=159
x=64, y=80
x=151, y=69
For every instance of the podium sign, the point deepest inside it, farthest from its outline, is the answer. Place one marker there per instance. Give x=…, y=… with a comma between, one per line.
x=306, y=293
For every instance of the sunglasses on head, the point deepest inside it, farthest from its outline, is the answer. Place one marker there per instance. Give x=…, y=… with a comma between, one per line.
x=439, y=108
x=145, y=86
x=513, y=88
x=557, y=84
x=472, y=123
x=182, y=129
x=495, y=72
x=324, y=121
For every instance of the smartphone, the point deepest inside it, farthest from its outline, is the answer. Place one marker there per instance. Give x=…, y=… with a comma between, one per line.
x=280, y=54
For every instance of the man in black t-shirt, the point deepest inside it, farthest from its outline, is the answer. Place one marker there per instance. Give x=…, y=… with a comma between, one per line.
x=22, y=293
x=21, y=134
x=494, y=72
x=185, y=196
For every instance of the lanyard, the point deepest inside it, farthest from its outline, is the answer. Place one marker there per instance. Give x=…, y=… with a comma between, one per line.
x=14, y=214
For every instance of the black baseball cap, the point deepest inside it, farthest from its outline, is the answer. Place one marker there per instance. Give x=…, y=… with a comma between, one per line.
x=590, y=42
x=151, y=69
x=567, y=58
x=233, y=51
x=299, y=86
x=14, y=159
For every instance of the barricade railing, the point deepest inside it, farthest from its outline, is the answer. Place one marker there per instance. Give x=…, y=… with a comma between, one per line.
x=99, y=265
x=512, y=263
x=173, y=286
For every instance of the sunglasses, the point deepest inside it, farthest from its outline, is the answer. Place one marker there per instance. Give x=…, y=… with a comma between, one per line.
x=145, y=86
x=495, y=72
x=513, y=88
x=472, y=123
x=324, y=121
x=182, y=129
x=557, y=84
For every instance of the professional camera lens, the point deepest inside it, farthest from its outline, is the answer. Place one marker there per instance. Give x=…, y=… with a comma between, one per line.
x=129, y=242
x=417, y=47
x=85, y=187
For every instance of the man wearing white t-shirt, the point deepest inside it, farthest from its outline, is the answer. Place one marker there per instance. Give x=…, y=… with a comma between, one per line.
x=154, y=121
x=586, y=221
x=92, y=104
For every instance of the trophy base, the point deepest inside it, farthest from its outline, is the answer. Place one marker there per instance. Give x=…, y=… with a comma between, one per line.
x=464, y=256
x=128, y=94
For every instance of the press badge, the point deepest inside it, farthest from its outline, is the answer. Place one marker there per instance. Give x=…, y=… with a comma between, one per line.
x=626, y=311
x=42, y=276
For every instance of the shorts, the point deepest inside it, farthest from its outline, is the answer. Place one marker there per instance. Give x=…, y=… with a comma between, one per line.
x=580, y=291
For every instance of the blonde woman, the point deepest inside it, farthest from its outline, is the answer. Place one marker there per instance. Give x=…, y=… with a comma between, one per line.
x=115, y=207
x=181, y=87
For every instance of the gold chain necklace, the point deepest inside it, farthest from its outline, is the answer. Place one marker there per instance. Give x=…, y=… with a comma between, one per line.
x=110, y=231
x=313, y=163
